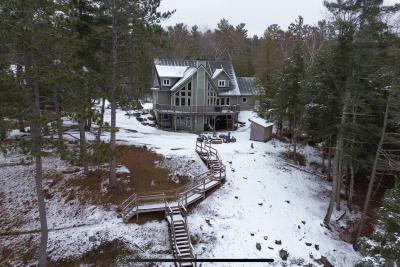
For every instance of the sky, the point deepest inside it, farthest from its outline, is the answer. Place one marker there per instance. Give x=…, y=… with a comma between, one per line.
x=257, y=14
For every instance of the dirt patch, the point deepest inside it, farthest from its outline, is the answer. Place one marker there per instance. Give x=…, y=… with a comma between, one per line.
x=108, y=254
x=144, y=176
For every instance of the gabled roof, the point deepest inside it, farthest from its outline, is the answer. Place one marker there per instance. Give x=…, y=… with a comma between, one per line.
x=186, y=76
x=217, y=72
x=248, y=86
x=171, y=71
x=184, y=69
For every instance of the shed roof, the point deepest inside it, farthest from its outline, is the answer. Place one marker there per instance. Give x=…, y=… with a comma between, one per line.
x=262, y=122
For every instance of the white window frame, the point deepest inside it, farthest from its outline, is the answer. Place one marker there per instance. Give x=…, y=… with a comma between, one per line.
x=188, y=122
x=244, y=99
x=166, y=82
x=221, y=83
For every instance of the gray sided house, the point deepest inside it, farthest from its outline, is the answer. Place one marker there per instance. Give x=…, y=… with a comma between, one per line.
x=199, y=95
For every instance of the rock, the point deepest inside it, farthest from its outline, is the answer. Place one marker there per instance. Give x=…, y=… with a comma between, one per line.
x=252, y=145
x=287, y=201
x=222, y=236
x=265, y=237
x=208, y=222
x=316, y=247
x=260, y=204
x=245, y=178
x=283, y=254
x=308, y=244
x=258, y=246
x=92, y=238
x=303, y=222
x=298, y=226
x=271, y=248
x=311, y=255
x=252, y=234
x=119, y=216
x=233, y=170
x=236, y=197
x=278, y=242
x=230, y=162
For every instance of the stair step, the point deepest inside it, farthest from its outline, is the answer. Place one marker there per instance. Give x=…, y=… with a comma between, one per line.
x=184, y=264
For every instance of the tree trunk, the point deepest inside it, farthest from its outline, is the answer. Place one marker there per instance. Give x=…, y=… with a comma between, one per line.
x=373, y=173
x=58, y=121
x=328, y=176
x=36, y=152
x=323, y=168
x=103, y=103
x=113, y=178
x=351, y=188
x=82, y=147
x=337, y=172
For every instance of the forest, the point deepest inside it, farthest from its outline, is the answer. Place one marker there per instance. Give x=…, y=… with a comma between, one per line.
x=334, y=85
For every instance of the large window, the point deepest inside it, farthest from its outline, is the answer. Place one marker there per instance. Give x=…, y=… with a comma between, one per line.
x=183, y=96
x=221, y=83
x=166, y=82
x=211, y=96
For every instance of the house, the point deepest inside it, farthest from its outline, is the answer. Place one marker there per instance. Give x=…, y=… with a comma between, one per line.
x=200, y=95
x=260, y=130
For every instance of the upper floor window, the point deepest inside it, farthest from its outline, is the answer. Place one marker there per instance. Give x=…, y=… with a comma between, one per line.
x=166, y=82
x=189, y=87
x=228, y=101
x=221, y=83
x=244, y=100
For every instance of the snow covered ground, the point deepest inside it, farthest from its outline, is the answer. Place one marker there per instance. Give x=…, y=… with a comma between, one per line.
x=263, y=201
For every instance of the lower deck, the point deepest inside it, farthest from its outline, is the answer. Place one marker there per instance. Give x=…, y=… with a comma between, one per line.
x=197, y=123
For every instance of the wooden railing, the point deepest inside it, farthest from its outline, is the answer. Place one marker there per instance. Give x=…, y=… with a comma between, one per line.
x=217, y=171
x=198, y=109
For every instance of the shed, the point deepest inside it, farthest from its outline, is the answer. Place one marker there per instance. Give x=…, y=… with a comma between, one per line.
x=260, y=130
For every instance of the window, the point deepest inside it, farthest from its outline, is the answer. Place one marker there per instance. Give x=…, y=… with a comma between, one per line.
x=189, y=93
x=222, y=101
x=188, y=122
x=166, y=82
x=182, y=101
x=228, y=101
x=188, y=101
x=183, y=93
x=217, y=101
x=176, y=101
x=221, y=83
x=189, y=86
x=165, y=117
x=244, y=100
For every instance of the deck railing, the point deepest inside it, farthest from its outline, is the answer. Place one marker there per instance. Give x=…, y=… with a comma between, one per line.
x=182, y=195
x=198, y=109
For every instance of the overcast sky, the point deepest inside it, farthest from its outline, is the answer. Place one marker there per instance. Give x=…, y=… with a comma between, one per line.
x=257, y=14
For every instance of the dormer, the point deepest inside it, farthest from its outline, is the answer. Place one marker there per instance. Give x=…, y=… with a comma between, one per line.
x=221, y=78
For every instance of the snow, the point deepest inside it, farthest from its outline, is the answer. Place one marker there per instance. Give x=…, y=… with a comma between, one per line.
x=262, y=122
x=217, y=72
x=262, y=199
x=187, y=75
x=171, y=71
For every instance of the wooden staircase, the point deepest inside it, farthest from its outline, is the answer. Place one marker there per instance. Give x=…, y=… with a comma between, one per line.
x=175, y=202
x=179, y=236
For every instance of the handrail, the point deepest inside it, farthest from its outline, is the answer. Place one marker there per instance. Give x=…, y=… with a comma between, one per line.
x=170, y=214
x=181, y=194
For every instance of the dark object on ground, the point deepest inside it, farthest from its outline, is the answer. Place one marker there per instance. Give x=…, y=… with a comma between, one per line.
x=258, y=246
x=140, y=119
x=283, y=254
